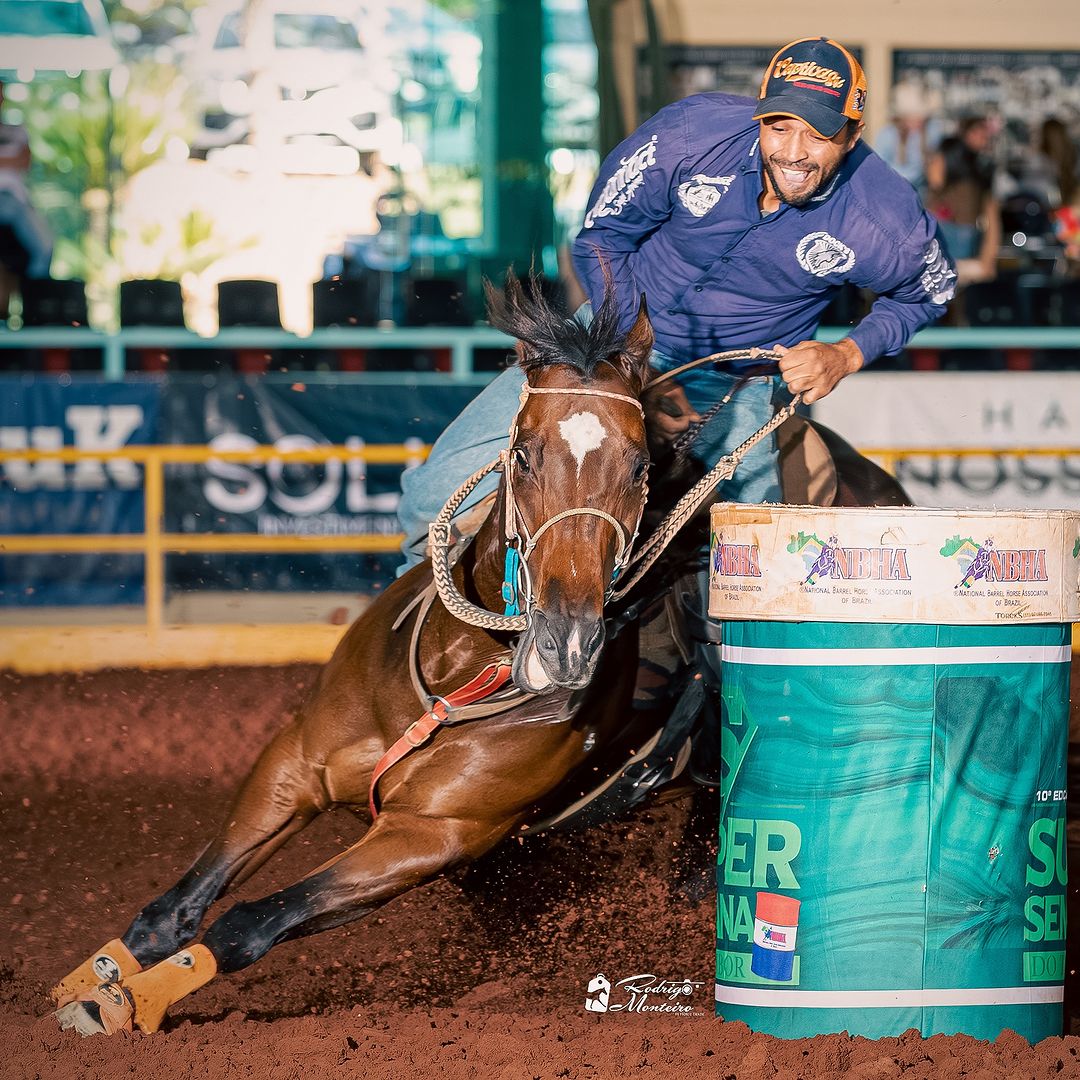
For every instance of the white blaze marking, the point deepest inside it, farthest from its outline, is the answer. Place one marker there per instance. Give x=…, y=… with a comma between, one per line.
x=573, y=647
x=583, y=432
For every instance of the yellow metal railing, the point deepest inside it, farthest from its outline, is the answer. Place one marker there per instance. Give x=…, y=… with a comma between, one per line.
x=154, y=544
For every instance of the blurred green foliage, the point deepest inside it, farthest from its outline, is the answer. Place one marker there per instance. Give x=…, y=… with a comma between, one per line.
x=87, y=142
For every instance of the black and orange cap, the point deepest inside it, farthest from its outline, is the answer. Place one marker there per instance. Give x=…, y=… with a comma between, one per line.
x=817, y=80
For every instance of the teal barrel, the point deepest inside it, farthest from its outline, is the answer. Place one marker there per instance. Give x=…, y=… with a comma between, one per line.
x=892, y=836
x=899, y=791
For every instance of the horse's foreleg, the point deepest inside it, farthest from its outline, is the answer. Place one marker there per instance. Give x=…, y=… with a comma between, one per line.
x=280, y=796
x=402, y=850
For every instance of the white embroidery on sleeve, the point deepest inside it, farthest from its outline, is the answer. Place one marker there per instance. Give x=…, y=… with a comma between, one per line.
x=939, y=278
x=623, y=184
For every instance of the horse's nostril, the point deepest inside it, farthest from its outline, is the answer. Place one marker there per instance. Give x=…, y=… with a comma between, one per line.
x=592, y=641
x=567, y=641
x=543, y=635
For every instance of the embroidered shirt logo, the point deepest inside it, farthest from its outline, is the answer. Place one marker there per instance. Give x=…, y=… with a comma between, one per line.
x=701, y=193
x=939, y=278
x=820, y=254
x=623, y=184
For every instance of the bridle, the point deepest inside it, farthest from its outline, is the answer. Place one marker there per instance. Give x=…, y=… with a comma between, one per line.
x=521, y=540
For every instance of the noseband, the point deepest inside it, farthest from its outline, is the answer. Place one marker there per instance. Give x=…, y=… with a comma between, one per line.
x=517, y=581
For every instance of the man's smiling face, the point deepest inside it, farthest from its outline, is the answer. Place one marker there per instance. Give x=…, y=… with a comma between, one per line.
x=799, y=163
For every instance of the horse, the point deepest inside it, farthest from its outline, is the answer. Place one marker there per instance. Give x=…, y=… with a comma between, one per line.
x=574, y=484
x=552, y=685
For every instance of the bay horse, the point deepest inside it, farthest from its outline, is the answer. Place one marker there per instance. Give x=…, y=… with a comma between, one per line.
x=573, y=488
x=555, y=690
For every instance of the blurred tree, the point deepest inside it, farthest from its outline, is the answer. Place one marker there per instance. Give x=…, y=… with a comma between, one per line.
x=461, y=9
x=87, y=142
x=143, y=24
x=174, y=248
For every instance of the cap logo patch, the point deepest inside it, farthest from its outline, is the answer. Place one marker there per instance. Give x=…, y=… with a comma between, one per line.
x=820, y=254
x=789, y=70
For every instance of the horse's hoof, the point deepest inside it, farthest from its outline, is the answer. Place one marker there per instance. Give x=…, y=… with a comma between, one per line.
x=113, y=962
x=104, y=1010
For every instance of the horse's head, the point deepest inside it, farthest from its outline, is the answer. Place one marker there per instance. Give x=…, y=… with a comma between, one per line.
x=574, y=481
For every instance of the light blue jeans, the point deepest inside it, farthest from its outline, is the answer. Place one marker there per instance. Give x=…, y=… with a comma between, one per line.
x=482, y=429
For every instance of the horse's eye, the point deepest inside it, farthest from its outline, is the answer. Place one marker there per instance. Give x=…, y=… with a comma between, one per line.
x=639, y=470
x=521, y=459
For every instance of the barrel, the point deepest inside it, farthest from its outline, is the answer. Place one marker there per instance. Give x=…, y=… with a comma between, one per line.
x=892, y=849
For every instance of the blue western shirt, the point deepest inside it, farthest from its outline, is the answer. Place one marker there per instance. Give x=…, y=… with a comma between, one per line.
x=675, y=215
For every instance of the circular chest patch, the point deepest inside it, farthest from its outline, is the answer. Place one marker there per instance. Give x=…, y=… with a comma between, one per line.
x=701, y=193
x=819, y=254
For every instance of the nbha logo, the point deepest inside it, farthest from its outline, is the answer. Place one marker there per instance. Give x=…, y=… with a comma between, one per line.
x=984, y=562
x=734, y=560
x=827, y=559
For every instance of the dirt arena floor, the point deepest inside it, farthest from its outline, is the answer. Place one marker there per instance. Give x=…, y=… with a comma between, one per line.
x=111, y=783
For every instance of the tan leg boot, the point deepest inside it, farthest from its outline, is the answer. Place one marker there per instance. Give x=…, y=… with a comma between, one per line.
x=155, y=989
x=113, y=962
x=101, y=1010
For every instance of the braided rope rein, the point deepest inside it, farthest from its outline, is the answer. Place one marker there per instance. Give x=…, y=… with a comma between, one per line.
x=439, y=534
x=692, y=501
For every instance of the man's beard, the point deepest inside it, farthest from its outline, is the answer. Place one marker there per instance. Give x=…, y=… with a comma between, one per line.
x=824, y=180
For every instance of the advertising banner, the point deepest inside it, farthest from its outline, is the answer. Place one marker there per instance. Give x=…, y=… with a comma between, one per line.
x=226, y=412
x=230, y=412
x=696, y=69
x=1021, y=86
x=998, y=411
x=87, y=497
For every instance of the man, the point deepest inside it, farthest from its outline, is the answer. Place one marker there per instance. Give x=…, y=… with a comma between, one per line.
x=739, y=221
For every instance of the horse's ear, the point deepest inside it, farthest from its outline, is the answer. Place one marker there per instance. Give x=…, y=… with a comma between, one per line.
x=638, y=345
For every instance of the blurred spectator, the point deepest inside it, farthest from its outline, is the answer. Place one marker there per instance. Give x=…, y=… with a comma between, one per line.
x=1066, y=220
x=17, y=214
x=1046, y=168
x=911, y=136
x=1058, y=152
x=960, y=181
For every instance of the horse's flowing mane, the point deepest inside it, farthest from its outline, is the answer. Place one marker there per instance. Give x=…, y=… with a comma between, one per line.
x=550, y=337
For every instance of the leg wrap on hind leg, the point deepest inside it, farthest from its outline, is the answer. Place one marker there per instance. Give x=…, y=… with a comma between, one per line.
x=113, y=962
